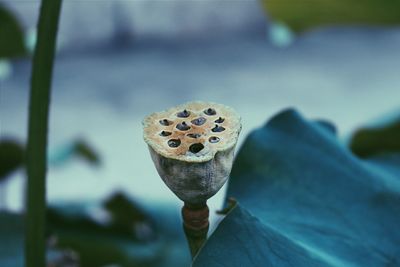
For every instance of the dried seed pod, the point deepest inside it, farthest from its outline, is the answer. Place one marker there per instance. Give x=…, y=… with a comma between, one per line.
x=194, y=163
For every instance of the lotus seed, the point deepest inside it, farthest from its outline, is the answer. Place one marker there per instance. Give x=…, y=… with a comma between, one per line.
x=194, y=135
x=195, y=148
x=210, y=112
x=165, y=122
x=183, y=126
x=183, y=114
x=213, y=139
x=218, y=129
x=164, y=133
x=199, y=121
x=174, y=142
x=219, y=120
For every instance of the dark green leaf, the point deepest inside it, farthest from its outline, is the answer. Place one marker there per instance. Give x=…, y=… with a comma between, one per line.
x=306, y=200
x=11, y=157
x=86, y=152
x=11, y=35
x=367, y=142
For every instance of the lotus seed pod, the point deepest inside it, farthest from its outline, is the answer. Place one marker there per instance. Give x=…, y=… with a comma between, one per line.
x=192, y=147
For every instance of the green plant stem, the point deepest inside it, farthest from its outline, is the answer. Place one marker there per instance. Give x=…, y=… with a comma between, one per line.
x=42, y=69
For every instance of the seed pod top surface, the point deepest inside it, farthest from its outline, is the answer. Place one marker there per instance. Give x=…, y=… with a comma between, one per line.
x=192, y=132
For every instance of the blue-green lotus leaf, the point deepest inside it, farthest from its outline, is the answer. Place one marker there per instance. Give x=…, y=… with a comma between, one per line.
x=306, y=200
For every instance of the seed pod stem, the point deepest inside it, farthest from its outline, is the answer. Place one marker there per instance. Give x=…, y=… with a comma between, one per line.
x=195, y=225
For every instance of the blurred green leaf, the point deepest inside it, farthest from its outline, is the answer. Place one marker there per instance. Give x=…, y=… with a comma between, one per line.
x=306, y=200
x=11, y=157
x=301, y=15
x=367, y=142
x=87, y=230
x=119, y=231
x=11, y=35
x=127, y=216
x=86, y=152
x=76, y=148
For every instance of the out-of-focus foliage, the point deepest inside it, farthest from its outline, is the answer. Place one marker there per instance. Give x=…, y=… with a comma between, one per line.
x=86, y=152
x=11, y=35
x=11, y=239
x=306, y=200
x=367, y=142
x=78, y=148
x=301, y=15
x=11, y=157
x=117, y=231
x=127, y=218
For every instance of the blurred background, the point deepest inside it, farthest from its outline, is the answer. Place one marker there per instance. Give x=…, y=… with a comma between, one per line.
x=118, y=61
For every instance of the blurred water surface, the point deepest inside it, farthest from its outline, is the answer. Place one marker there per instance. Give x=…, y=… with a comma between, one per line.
x=349, y=76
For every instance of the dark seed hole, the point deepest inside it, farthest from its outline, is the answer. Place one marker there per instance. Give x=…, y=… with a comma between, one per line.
x=219, y=120
x=213, y=139
x=210, y=112
x=194, y=135
x=218, y=129
x=165, y=122
x=183, y=114
x=182, y=126
x=195, y=148
x=174, y=142
x=199, y=121
x=165, y=133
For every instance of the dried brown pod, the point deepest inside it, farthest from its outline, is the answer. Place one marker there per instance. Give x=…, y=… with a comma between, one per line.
x=192, y=147
x=193, y=168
